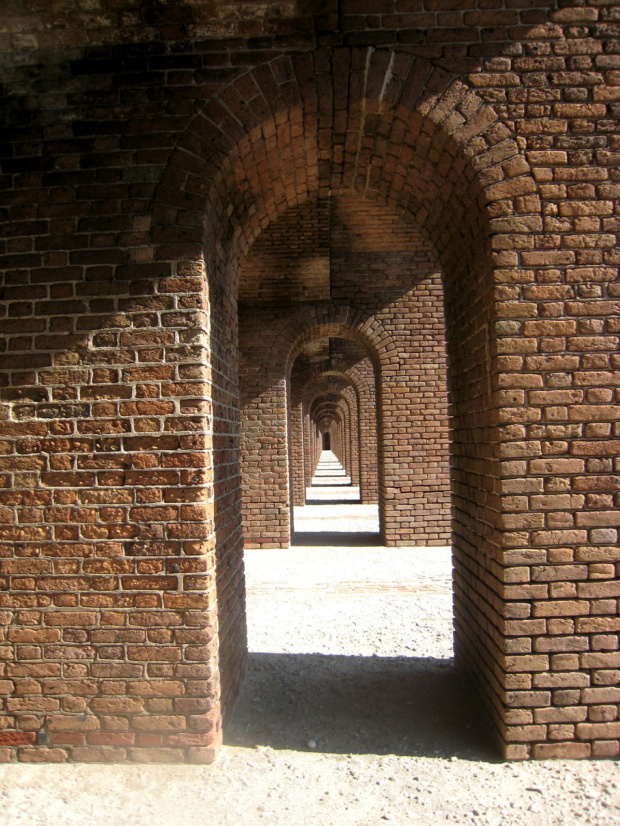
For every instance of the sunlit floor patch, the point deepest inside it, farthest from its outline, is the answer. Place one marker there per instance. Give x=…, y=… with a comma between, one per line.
x=350, y=641
x=333, y=506
x=351, y=649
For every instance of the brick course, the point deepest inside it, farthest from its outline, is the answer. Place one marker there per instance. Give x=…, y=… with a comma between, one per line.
x=147, y=158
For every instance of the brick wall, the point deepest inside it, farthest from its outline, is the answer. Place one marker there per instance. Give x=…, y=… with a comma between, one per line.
x=108, y=599
x=143, y=154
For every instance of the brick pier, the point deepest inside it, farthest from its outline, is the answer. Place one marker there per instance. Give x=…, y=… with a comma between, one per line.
x=227, y=229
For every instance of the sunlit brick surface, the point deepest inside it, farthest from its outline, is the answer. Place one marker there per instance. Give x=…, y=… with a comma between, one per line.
x=158, y=163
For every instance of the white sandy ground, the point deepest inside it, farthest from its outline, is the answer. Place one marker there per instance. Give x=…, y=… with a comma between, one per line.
x=351, y=713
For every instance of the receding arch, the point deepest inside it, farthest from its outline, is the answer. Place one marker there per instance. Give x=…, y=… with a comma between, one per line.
x=273, y=392
x=253, y=151
x=362, y=387
x=324, y=387
x=421, y=142
x=333, y=406
x=331, y=320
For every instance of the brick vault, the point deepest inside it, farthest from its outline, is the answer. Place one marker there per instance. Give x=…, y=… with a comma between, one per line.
x=231, y=229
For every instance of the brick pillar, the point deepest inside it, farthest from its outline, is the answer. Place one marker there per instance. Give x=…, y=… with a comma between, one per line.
x=308, y=450
x=111, y=599
x=264, y=443
x=352, y=399
x=298, y=470
x=364, y=378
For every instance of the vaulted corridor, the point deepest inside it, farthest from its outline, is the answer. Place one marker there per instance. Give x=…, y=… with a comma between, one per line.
x=234, y=234
x=332, y=514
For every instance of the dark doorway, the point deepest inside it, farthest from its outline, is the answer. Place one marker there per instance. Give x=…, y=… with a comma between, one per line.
x=327, y=441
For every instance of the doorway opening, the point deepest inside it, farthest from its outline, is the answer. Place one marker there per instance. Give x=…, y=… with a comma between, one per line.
x=345, y=461
x=333, y=401
x=290, y=213
x=333, y=515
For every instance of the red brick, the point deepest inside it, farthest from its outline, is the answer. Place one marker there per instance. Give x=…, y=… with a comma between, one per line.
x=119, y=436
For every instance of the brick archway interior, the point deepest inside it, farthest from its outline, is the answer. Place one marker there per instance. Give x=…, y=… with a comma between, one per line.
x=144, y=212
x=431, y=198
x=314, y=379
x=379, y=286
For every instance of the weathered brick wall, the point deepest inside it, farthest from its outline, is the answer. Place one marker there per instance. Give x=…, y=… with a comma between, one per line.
x=108, y=602
x=352, y=402
x=144, y=149
x=297, y=454
x=362, y=375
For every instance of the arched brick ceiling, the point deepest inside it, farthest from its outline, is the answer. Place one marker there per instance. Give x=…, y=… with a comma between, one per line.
x=331, y=320
x=328, y=406
x=380, y=123
x=326, y=388
x=313, y=352
x=292, y=260
x=326, y=356
x=321, y=381
x=352, y=327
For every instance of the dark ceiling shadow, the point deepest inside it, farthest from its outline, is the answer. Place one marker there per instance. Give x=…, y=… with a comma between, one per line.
x=336, y=484
x=360, y=705
x=333, y=502
x=336, y=539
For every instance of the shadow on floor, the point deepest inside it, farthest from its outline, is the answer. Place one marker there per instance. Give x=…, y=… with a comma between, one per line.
x=333, y=502
x=360, y=705
x=334, y=484
x=332, y=539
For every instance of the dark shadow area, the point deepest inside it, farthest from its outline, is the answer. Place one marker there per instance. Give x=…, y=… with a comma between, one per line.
x=333, y=502
x=360, y=705
x=333, y=484
x=334, y=538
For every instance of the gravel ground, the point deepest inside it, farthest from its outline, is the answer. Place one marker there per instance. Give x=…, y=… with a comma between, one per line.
x=352, y=712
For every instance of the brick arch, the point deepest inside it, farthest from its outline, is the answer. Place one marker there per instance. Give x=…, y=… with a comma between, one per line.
x=344, y=321
x=331, y=402
x=407, y=133
x=334, y=321
x=302, y=459
x=324, y=375
x=327, y=400
x=415, y=138
x=267, y=476
x=378, y=122
x=314, y=322
x=339, y=386
x=365, y=385
x=325, y=395
x=334, y=408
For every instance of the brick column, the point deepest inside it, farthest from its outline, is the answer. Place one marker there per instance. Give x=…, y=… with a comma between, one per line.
x=298, y=470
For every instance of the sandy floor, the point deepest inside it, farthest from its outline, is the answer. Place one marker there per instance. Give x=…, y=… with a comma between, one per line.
x=351, y=713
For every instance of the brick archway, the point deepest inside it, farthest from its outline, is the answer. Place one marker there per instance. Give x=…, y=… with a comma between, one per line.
x=135, y=200
x=300, y=449
x=425, y=145
x=253, y=151
x=360, y=385
x=333, y=406
x=267, y=488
